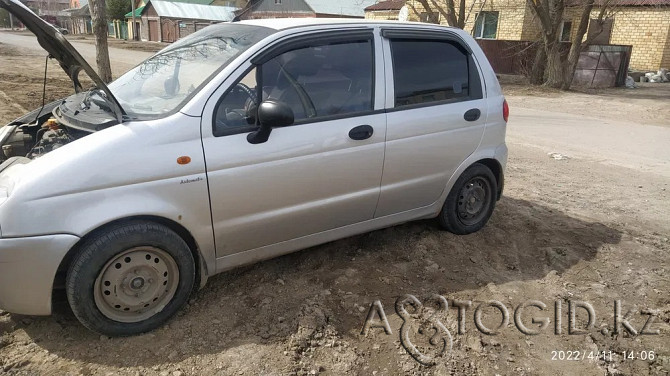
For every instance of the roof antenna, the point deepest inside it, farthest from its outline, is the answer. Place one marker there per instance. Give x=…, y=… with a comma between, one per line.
x=44, y=89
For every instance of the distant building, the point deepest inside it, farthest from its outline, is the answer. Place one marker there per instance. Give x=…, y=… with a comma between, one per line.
x=644, y=24
x=80, y=20
x=167, y=21
x=76, y=4
x=384, y=10
x=239, y=4
x=47, y=7
x=52, y=11
x=304, y=8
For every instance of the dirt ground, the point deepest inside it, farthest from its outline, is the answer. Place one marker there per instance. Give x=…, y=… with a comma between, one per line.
x=120, y=43
x=565, y=230
x=647, y=104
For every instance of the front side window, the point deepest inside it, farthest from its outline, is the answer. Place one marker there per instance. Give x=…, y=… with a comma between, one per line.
x=316, y=82
x=236, y=112
x=486, y=25
x=426, y=71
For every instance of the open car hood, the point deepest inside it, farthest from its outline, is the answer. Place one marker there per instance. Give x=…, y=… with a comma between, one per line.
x=60, y=49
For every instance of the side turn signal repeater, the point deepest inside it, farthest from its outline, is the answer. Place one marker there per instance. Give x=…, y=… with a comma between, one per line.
x=184, y=159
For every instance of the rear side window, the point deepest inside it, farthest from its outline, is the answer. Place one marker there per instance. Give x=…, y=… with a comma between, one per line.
x=427, y=71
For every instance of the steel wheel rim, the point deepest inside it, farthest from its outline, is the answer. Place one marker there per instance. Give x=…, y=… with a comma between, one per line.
x=136, y=284
x=474, y=200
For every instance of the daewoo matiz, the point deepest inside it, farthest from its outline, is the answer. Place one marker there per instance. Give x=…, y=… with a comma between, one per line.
x=238, y=143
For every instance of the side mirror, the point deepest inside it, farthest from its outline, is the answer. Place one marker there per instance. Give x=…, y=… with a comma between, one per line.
x=271, y=114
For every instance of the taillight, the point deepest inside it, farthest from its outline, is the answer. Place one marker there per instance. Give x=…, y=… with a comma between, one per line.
x=505, y=110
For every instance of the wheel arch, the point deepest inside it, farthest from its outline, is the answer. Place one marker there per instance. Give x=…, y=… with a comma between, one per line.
x=493, y=158
x=200, y=265
x=497, y=169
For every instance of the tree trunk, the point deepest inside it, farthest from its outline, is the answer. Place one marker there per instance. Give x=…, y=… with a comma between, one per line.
x=539, y=67
x=461, y=15
x=555, y=73
x=576, y=48
x=99, y=19
x=550, y=15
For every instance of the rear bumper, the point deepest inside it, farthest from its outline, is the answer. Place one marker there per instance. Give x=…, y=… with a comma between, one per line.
x=27, y=270
x=501, y=156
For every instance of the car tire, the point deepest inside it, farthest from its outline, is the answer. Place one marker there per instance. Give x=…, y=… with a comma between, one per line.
x=470, y=202
x=130, y=278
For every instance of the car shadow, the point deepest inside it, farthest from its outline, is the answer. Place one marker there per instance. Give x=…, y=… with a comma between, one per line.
x=265, y=303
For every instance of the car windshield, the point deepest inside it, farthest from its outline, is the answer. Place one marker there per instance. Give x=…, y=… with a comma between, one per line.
x=165, y=81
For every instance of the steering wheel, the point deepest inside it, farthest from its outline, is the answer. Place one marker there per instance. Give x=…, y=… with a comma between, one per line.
x=235, y=115
x=250, y=104
x=248, y=91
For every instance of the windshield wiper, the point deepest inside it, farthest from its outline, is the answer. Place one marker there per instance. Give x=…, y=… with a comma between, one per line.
x=86, y=102
x=88, y=98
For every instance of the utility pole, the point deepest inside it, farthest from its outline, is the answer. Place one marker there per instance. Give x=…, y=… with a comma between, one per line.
x=11, y=21
x=132, y=6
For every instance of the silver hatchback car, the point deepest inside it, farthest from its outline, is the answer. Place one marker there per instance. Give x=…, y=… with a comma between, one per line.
x=241, y=142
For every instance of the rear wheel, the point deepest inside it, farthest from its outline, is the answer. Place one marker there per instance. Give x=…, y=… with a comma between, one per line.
x=130, y=278
x=470, y=202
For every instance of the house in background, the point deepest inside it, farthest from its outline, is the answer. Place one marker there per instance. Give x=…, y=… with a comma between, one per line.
x=384, y=10
x=134, y=30
x=304, y=8
x=79, y=20
x=52, y=11
x=167, y=21
x=644, y=24
x=340, y=8
x=276, y=9
x=239, y=4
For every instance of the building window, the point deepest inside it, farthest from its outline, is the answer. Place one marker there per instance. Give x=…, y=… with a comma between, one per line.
x=432, y=17
x=566, y=31
x=277, y=2
x=486, y=25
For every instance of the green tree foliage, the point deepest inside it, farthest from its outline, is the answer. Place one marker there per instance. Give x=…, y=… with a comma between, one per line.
x=4, y=18
x=117, y=9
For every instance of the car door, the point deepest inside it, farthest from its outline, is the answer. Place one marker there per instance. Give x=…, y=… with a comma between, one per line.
x=436, y=114
x=321, y=173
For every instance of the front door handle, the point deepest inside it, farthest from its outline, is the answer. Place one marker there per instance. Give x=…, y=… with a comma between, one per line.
x=472, y=115
x=362, y=132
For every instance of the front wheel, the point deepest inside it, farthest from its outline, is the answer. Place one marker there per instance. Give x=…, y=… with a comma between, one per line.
x=470, y=202
x=130, y=278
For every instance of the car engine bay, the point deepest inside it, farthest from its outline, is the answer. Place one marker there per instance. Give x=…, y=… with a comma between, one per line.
x=36, y=138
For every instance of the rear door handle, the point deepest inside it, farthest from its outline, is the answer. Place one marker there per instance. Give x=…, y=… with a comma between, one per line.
x=472, y=115
x=362, y=132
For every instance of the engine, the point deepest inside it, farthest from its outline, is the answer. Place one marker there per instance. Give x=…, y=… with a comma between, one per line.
x=50, y=138
x=34, y=140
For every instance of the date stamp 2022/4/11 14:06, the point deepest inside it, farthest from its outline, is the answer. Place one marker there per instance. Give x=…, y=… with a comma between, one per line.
x=603, y=355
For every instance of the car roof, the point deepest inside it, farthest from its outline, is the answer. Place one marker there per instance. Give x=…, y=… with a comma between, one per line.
x=288, y=23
